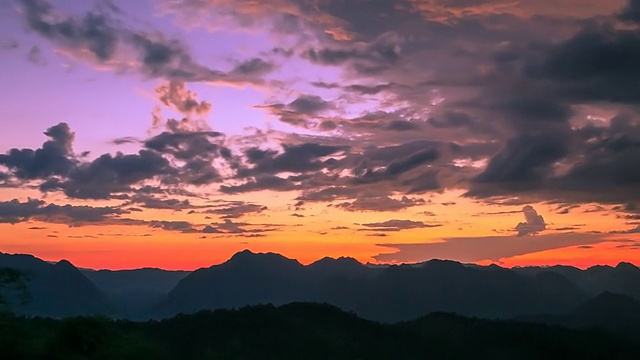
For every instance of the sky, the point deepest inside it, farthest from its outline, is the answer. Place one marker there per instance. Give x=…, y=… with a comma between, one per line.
x=173, y=134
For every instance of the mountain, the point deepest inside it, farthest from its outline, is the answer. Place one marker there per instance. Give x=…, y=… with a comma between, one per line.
x=302, y=331
x=385, y=294
x=134, y=293
x=616, y=313
x=621, y=279
x=54, y=290
x=246, y=278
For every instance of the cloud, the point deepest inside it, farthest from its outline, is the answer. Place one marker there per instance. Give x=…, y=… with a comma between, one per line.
x=237, y=209
x=15, y=211
x=185, y=145
x=108, y=175
x=295, y=158
x=181, y=226
x=414, y=160
x=534, y=223
x=301, y=112
x=397, y=225
x=176, y=96
x=485, y=248
x=253, y=67
x=92, y=32
x=196, y=152
x=151, y=202
x=505, y=84
x=524, y=159
x=371, y=202
x=597, y=64
x=308, y=104
x=240, y=228
x=266, y=182
x=169, y=158
x=101, y=38
x=53, y=158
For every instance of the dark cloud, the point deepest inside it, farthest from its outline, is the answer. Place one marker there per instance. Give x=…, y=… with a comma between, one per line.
x=402, y=125
x=525, y=160
x=298, y=158
x=375, y=56
x=187, y=145
x=253, y=67
x=15, y=211
x=327, y=194
x=597, y=64
x=265, y=182
x=414, y=160
x=533, y=224
x=485, y=248
x=54, y=158
x=230, y=227
x=451, y=119
x=372, y=202
x=397, y=225
x=109, y=174
x=369, y=89
x=432, y=92
x=151, y=202
x=237, y=209
x=304, y=111
x=400, y=166
x=170, y=59
x=427, y=181
x=181, y=226
x=108, y=39
x=308, y=104
x=92, y=32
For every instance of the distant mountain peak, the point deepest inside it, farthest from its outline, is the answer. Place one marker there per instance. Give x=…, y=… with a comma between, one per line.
x=626, y=266
x=64, y=263
x=342, y=260
x=444, y=264
x=248, y=258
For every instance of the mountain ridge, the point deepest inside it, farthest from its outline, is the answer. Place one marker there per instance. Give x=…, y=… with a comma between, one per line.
x=383, y=293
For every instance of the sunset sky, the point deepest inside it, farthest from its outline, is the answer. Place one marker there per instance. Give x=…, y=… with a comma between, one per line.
x=174, y=133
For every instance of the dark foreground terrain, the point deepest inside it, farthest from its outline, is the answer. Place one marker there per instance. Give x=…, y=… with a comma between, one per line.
x=302, y=331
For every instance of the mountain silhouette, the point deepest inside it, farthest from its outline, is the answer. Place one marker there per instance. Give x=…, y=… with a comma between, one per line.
x=383, y=293
x=616, y=313
x=133, y=293
x=621, y=279
x=54, y=290
x=386, y=293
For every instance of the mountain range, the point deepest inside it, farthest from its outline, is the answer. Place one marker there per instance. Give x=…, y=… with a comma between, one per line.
x=382, y=293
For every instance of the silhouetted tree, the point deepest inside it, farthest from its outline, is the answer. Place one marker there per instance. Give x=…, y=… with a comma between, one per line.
x=14, y=280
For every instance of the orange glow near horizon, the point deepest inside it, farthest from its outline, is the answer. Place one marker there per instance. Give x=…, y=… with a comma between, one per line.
x=324, y=231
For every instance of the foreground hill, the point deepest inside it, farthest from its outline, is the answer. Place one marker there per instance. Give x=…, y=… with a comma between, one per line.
x=301, y=331
x=619, y=314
